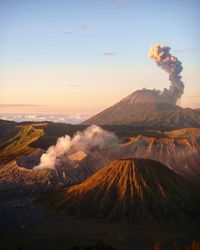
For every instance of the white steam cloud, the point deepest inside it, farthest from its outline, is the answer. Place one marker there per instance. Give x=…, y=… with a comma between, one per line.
x=92, y=137
x=163, y=58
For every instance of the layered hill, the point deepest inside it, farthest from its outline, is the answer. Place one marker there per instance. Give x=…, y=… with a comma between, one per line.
x=142, y=108
x=19, y=144
x=19, y=140
x=19, y=177
x=179, y=150
x=130, y=189
x=15, y=180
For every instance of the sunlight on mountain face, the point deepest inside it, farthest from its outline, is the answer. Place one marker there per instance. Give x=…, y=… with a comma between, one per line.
x=129, y=189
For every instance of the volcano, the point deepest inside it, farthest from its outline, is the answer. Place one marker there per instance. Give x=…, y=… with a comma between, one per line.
x=148, y=109
x=143, y=96
x=131, y=189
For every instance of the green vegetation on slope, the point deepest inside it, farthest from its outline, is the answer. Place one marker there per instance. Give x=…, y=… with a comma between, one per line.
x=19, y=144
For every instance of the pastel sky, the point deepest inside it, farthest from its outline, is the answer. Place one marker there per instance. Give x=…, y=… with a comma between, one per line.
x=81, y=56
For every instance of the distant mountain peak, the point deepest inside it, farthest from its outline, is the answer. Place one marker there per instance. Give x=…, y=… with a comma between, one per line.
x=142, y=96
x=146, y=108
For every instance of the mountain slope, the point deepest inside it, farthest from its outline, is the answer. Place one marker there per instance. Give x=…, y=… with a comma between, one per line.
x=7, y=130
x=133, y=189
x=19, y=144
x=143, y=110
x=15, y=180
x=179, y=150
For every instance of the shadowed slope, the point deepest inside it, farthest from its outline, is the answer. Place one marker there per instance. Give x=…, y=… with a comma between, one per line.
x=133, y=189
x=15, y=180
x=8, y=129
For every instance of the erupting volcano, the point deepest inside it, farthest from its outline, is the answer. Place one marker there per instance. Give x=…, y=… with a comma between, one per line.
x=152, y=108
x=173, y=67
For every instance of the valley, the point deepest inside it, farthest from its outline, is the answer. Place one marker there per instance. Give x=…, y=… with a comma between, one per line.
x=32, y=229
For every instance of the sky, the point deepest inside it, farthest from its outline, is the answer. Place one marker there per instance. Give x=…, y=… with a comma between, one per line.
x=79, y=57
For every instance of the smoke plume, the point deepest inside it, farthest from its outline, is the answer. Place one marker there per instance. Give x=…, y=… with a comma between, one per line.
x=92, y=137
x=163, y=58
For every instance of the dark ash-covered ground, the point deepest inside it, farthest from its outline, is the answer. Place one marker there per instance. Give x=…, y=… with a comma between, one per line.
x=21, y=224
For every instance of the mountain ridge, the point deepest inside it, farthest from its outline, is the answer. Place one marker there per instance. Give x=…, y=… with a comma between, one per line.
x=16, y=180
x=179, y=150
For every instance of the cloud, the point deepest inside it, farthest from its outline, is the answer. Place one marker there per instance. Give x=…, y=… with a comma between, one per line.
x=61, y=118
x=120, y=3
x=108, y=53
x=82, y=28
x=73, y=85
x=68, y=32
x=19, y=105
x=186, y=50
x=171, y=65
x=91, y=138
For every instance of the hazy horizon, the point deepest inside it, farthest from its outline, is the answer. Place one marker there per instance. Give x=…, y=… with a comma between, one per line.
x=75, y=57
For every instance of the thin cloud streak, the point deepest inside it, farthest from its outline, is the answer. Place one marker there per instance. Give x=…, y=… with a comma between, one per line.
x=73, y=85
x=82, y=28
x=108, y=53
x=21, y=105
x=120, y=3
x=68, y=32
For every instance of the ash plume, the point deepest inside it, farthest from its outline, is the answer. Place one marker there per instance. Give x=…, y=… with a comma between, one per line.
x=92, y=137
x=163, y=58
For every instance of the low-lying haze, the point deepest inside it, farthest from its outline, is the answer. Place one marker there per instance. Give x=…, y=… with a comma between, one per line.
x=61, y=118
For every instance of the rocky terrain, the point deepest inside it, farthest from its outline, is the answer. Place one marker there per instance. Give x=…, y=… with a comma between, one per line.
x=179, y=150
x=27, y=225
x=129, y=189
x=15, y=180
